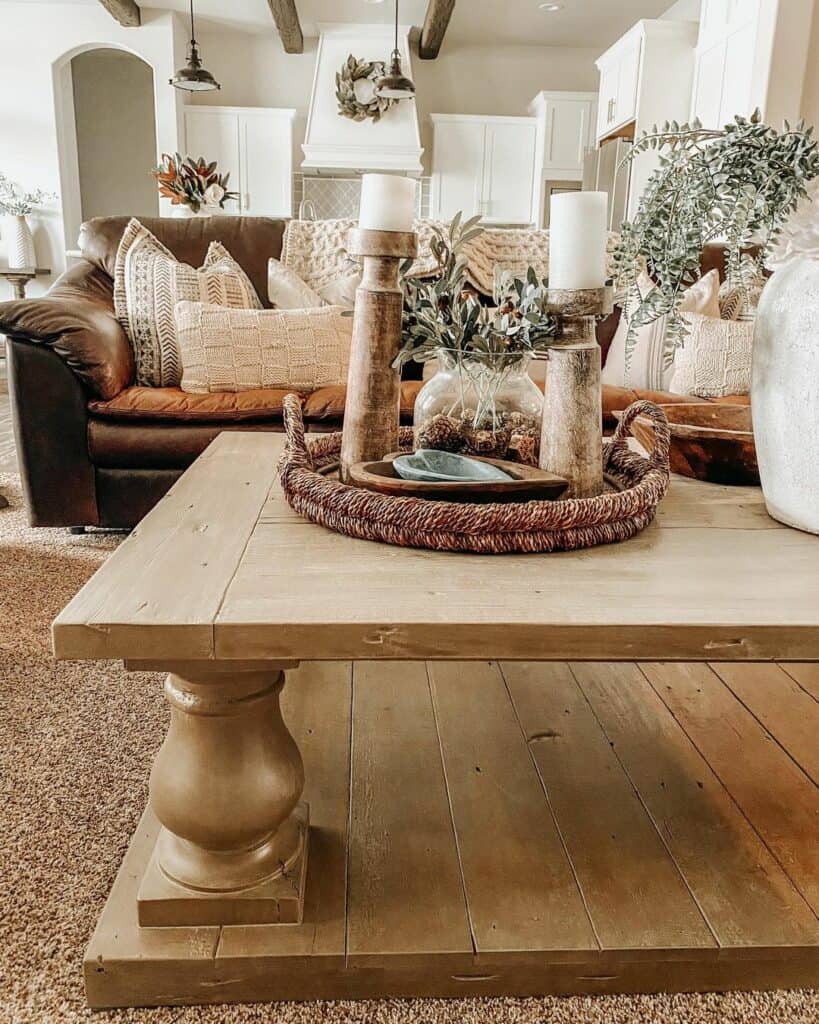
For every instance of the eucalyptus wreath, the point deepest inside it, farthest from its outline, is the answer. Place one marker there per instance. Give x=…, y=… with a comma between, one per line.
x=441, y=313
x=355, y=89
x=737, y=185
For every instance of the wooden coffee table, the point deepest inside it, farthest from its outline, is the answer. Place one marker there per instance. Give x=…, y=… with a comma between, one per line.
x=474, y=828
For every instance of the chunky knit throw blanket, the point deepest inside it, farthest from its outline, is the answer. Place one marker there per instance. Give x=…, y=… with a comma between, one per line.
x=316, y=251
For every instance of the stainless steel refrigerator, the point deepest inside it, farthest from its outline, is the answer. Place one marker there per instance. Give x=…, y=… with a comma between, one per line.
x=604, y=170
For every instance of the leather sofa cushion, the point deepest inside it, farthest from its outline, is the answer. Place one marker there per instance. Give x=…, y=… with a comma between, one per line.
x=251, y=241
x=175, y=405
x=326, y=405
x=134, y=445
x=76, y=320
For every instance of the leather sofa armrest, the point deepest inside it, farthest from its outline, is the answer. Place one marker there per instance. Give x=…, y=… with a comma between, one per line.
x=76, y=320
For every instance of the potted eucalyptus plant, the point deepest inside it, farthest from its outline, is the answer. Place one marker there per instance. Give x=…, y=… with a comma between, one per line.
x=481, y=400
x=741, y=185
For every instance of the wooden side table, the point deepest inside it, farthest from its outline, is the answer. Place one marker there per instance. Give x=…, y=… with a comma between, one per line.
x=19, y=277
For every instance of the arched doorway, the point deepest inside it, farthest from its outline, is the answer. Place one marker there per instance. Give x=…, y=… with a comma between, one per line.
x=105, y=105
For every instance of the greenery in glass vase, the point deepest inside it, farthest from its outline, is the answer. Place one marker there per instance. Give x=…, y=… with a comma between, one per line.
x=737, y=185
x=442, y=313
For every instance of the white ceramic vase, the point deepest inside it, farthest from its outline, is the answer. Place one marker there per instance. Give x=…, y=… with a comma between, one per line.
x=785, y=394
x=186, y=213
x=19, y=242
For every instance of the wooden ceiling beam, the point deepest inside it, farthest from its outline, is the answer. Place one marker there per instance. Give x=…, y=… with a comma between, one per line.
x=287, y=22
x=436, y=23
x=125, y=12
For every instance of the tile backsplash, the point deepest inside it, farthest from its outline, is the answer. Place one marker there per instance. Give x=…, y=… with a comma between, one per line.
x=324, y=198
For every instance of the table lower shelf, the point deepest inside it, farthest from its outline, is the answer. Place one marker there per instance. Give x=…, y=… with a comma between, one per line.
x=484, y=830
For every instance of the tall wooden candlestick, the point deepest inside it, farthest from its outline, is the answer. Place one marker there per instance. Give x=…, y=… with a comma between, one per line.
x=371, y=413
x=571, y=442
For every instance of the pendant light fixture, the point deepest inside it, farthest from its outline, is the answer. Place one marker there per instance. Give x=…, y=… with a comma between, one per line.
x=395, y=85
x=193, y=77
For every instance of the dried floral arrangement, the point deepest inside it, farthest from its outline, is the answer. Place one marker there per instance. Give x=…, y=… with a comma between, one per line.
x=738, y=185
x=16, y=201
x=355, y=89
x=193, y=183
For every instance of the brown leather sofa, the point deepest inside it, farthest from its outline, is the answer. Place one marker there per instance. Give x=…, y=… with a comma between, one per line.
x=95, y=450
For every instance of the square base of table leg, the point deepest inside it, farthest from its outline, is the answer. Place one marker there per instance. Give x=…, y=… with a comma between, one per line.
x=164, y=903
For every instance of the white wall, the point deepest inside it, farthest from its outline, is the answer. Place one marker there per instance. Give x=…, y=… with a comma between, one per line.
x=684, y=10
x=38, y=36
x=116, y=133
x=810, y=89
x=254, y=71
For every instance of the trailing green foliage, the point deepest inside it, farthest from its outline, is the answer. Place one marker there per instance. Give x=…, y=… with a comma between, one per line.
x=737, y=185
x=443, y=313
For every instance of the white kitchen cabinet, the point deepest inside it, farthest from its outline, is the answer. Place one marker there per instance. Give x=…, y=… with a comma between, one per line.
x=485, y=165
x=568, y=126
x=619, y=79
x=645, y=79
x=255, y=144
x=751, y=54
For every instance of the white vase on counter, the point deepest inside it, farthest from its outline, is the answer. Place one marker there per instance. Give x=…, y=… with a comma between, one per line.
x=19, y=241
x=785, y=394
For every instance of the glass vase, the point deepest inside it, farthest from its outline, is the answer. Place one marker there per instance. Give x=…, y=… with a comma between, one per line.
x=488, y=407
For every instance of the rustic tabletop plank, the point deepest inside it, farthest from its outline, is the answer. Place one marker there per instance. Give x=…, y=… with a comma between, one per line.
x=223, y=568
x=521, y=891
x=807, y=676
x=405, y=892
x=635, y=894
x=743, y=892
x=789, y=714
x=158, y=593
x=778, y=798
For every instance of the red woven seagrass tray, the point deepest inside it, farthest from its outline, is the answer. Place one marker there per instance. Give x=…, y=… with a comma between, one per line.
x=526, y=527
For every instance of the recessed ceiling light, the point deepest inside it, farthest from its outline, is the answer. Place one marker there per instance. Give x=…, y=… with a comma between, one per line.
x=373, y=1
x=548, y=7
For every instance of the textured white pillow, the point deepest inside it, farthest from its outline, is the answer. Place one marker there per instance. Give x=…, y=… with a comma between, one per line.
x=286, y=290
x=148, y=283
x=648, y=366
x=715, y=360
x=244, y=349
x=341, y=290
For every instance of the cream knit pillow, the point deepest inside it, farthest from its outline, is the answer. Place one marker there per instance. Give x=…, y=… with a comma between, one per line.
x=148, y=283
x=715, y=360
x=649, y=366
x=243, y=349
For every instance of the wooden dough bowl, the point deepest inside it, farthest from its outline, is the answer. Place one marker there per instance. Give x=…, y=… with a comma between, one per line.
x=714, y=443
x=527, y=483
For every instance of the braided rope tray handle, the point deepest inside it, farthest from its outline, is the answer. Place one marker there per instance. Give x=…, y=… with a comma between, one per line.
x=490, y=528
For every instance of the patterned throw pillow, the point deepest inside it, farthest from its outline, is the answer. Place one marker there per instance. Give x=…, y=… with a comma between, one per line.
x=730, y=302
x=148, y=283
x=715, y=360
x=649, y=365
x=243, y=349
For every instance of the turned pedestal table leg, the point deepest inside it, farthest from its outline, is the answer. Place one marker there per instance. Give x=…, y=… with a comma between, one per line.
x=225, y=786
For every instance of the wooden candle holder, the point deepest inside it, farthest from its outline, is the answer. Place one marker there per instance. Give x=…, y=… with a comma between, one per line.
x=571, y=442
x=371, y=412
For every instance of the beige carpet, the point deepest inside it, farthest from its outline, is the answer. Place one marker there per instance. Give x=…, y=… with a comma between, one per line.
x=76, y=743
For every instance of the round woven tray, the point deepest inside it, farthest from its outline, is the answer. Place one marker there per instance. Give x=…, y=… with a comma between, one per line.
x=533, y=526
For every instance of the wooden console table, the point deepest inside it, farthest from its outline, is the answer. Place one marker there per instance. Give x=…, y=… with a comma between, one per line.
x=474, y=828
x=19, y=277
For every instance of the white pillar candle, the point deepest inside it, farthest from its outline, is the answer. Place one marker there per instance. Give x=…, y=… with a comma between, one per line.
x=387, y=202
x=577, y=240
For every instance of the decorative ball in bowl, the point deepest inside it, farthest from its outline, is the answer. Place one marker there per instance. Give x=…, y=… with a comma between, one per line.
x=709, y=442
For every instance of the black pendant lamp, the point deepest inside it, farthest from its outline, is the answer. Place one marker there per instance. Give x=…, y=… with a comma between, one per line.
x=193, y=77
x=395, y=85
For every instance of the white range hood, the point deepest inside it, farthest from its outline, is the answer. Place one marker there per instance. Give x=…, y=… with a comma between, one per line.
x=334, y=143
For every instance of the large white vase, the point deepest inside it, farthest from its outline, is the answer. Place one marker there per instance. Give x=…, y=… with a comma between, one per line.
x=19, y=242
x=785, y=394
